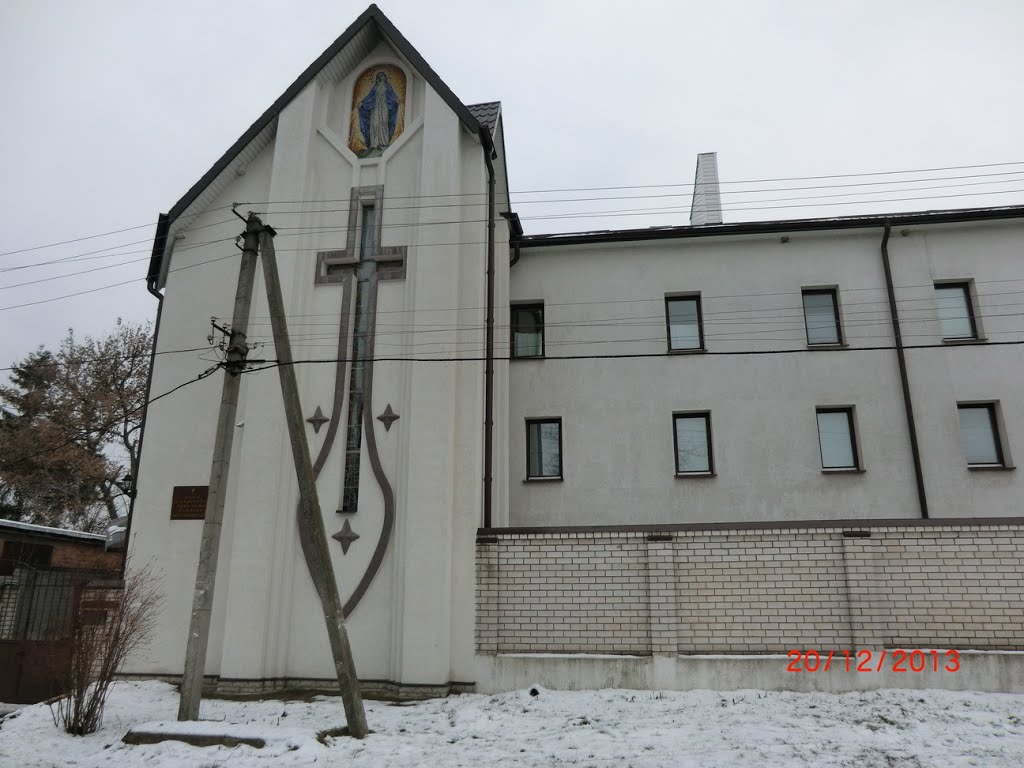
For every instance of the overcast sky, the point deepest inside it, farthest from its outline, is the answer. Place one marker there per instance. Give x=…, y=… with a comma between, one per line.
x=113, y=109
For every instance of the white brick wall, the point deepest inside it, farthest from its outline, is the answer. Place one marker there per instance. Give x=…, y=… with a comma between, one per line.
x=752, y=590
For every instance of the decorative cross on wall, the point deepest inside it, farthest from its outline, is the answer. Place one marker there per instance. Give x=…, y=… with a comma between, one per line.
x=366, y=262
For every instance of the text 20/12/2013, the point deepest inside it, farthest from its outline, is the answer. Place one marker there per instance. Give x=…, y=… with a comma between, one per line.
x=865, y=660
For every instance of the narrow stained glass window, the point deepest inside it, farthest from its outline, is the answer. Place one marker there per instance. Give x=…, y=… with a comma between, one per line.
x=360, y=336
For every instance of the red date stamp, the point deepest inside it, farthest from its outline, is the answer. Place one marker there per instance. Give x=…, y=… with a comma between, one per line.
x=864, y=660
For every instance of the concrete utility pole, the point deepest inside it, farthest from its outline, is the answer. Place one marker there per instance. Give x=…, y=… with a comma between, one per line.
x=311, y=525
x=209, y=547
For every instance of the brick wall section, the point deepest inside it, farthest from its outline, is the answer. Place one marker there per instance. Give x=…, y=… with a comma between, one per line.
x=88, y=558
x=766, y=590
x=945, y=589
x=761, y=593
x=569, y=594
x=662, y=595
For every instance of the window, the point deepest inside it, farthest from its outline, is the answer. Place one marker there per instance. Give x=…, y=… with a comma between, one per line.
x=693, y=443
x=685, y=331
x=821, y=316
x=836, y=439
x=528, y=330
x=543, y=449
x=956, y=316
x=979, y=432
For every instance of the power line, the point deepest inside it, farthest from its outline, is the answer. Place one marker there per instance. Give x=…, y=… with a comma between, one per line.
x=704, y=297
x=123, y=358
x=671, y=185
x=991, y=180
x=89, y=255
x=729, y=327
x=100, y=234
x=71, y=274
x=628, y=356
x=77, y=239
x=113, y=285
x=103, y=428
x=686, y=185
x=615, y=213
x=465, y=359
x=208, y=261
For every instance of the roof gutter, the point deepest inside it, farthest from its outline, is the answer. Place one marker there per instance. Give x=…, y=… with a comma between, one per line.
x=489, y=156
x=778, y=226
x=516, y=227
x=163, y=226
x=901, y=357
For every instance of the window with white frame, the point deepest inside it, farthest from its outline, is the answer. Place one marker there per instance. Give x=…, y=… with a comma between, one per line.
x=821, y=316
x=979, y=433
x=837, y=438
x=956, y=315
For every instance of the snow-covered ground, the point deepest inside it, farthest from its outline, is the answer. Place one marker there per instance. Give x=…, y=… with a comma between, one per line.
x=887, y=729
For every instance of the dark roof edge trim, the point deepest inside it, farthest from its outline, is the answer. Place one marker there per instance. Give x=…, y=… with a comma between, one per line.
x=372, y=13
x=406, y=49
x=760, y=525
x=780, y=226
x=163, y=225
x=264, y=120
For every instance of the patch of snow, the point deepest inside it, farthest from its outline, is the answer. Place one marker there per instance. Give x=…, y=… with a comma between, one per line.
x=644, y=729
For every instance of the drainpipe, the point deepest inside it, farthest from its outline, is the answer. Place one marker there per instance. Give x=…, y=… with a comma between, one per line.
x=489, y=155
x=162, y=227
x=904, y=380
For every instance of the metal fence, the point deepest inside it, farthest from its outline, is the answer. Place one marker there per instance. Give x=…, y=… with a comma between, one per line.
x=39, y=603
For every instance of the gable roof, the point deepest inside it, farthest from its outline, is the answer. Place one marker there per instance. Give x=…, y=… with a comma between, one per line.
x=370, y=20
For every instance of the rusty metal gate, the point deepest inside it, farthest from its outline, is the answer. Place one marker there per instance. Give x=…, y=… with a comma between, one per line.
x=37, y=605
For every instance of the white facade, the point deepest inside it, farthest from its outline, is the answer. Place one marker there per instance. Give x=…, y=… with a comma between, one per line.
x=760, y=379
x=414, y=623
x=604, y=305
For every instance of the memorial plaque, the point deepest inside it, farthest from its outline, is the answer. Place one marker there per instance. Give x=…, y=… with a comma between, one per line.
x=188, y=502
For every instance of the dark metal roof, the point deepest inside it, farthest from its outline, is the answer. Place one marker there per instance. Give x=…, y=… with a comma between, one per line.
x=778, y=226
x=486, y=114
x=373, y=15
x=9, y=528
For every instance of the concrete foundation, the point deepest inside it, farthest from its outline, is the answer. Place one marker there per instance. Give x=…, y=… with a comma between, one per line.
x=997, y=672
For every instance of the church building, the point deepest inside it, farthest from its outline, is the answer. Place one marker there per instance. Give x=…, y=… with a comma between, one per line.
x=635, y=458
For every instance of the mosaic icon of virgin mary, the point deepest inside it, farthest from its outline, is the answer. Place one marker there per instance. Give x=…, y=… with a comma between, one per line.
x=377, y=112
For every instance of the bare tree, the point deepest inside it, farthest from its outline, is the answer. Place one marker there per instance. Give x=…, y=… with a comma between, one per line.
x=110, y=623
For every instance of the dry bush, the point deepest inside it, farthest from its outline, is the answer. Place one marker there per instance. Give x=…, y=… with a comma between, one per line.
x=112, y=622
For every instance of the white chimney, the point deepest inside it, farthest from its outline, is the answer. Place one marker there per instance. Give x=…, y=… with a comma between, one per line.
x=706, y=207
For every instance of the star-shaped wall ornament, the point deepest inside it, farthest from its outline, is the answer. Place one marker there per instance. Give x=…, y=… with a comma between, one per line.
x=317, y=420
x=346, y=536
x=388, y=418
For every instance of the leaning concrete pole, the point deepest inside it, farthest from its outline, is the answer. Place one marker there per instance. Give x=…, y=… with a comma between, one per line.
x=312, y=535
x=206, y=572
